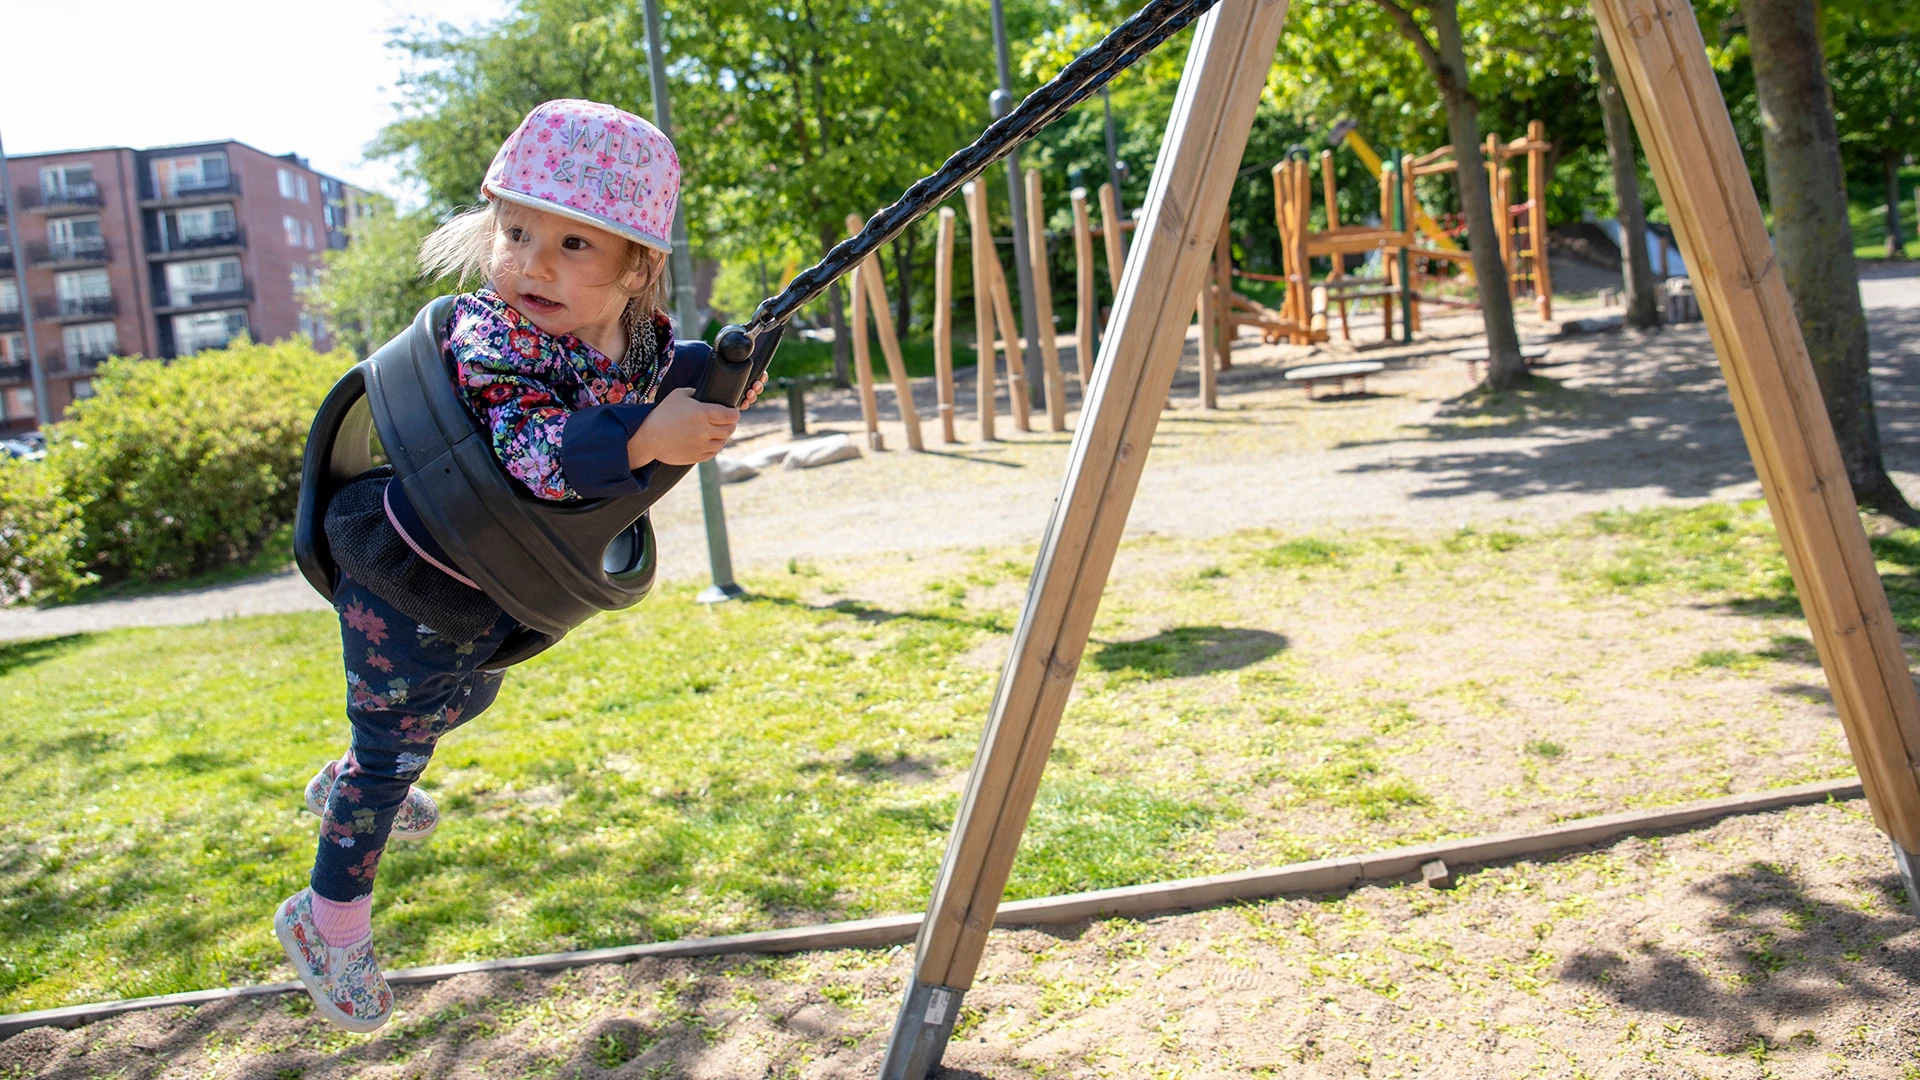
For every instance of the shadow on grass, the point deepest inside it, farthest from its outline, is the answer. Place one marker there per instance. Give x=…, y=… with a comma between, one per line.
x=1189, y=650
x=868, y=613
x=15, y=655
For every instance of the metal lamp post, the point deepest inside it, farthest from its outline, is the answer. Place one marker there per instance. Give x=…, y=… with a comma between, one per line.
x=999, y=105
x=719, y=552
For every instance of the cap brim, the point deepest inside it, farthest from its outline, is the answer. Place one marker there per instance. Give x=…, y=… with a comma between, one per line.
x=581, y=216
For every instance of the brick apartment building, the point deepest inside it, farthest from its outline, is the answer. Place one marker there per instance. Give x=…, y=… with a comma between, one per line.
x=159, y=252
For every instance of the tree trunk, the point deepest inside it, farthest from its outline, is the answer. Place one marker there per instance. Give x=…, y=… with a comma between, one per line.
x=1812, y=234
x=1896, y=239
x=837, y=315
x=1636, y=269
x=1505, y=369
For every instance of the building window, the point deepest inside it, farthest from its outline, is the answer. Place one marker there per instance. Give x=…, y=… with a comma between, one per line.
x=75, y=238
x=60, y=183
x=82, y=389
x=306, y=325
x=206, y=330
x=9, y=296
x=174, y=177
x=326, y=214
x=299, y=275
x=307, y=230
x=292, y=225
x=302, y=181
x=23, y=402
x=13, y=349
x=204, y=279
x=83, y=292
x=89, y=344
x=206, y=226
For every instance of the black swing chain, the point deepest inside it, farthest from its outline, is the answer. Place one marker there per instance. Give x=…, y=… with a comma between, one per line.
x=1131, y=40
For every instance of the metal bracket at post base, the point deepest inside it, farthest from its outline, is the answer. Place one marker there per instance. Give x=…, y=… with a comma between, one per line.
x=921, y=1031
x=1905, y=861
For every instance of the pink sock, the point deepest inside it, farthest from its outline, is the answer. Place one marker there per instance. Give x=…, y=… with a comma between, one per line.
x=343, y=924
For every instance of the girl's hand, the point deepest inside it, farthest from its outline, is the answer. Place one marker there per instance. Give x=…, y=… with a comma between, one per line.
x=681, y=431
x=753, y=392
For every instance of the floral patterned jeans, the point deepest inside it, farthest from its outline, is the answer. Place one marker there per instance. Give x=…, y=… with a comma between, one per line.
x=406, y=687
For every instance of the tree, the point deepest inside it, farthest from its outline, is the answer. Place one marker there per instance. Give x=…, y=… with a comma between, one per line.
x=372, y=287
x=1643, y=309
x=1813, y=235
x=790, y=114
x=1873, y=58
x=1445, y=57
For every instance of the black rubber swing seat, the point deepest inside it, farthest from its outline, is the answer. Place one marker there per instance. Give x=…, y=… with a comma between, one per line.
x=551, y=565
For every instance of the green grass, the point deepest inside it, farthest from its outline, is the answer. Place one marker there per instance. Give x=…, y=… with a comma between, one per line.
x=679, y=769
x=669, y=770
x=1867, y=210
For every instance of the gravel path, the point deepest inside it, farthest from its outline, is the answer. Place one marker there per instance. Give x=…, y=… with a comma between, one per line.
x=1643, y=420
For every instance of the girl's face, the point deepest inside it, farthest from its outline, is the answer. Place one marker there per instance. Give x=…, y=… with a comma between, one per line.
x=563, y=275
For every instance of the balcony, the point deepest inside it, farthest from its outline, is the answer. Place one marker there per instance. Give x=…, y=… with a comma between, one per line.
x=175, y=302
x=6, y=259
x=11, y=373
x=70, y=309
x=79, y=363
x=9, y=321
x=183, y=190
x=173, y=244
x=77, y=251
x=71, y=195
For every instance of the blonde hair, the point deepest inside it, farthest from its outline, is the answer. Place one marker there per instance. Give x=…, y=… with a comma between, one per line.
x=462, y=248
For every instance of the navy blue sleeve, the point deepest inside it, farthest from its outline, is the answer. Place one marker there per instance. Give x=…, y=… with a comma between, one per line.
x=593, y=445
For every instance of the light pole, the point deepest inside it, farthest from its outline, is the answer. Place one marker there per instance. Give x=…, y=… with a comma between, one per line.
x=41, y=408
x=999, y=105
x=1116, y=169
x=685, y=312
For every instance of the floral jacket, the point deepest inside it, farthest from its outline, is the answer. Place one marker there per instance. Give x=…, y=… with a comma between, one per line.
x=560, y=412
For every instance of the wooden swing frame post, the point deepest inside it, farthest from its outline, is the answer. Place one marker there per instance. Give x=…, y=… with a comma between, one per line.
x=943, y=324
x=876, y=290
x=1683, y=123
x=1233, y=46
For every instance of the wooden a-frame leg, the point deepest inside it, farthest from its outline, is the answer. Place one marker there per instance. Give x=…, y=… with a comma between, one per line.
x=1233, y=48
x=1682, y=121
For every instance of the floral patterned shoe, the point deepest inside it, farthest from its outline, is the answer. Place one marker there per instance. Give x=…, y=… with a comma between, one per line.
x=346, y=983
x=417, y=819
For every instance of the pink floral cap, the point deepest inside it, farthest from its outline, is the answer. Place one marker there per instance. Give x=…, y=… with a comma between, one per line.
x=593, y=163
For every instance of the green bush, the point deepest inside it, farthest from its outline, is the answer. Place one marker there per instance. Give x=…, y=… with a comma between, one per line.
x=38, y=534
x=170, y=470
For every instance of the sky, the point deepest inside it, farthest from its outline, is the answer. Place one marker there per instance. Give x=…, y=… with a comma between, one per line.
x=316, y=79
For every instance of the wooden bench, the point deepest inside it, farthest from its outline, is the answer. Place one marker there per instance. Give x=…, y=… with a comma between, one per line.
x=1308, y=374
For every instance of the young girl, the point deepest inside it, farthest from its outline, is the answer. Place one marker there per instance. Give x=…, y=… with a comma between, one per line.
x=568, y=358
